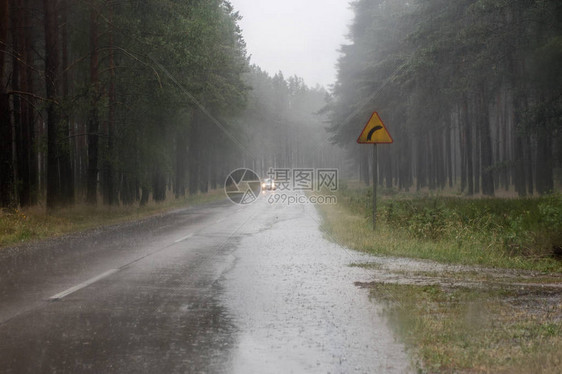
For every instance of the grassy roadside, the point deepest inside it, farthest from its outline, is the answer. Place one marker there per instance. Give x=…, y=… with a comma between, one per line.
x=449, y=327
x=504, y=233
x=462, y=330
x=34, y=223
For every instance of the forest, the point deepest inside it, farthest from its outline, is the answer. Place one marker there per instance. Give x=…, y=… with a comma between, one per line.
x=119, y=102
x=470, y=90
x=122, y=102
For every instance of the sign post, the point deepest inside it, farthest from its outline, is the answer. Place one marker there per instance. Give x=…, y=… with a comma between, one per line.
x=375, y=132
x=375, y=183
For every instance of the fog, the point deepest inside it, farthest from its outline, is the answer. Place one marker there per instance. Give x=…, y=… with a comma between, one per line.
x=123, y=103
x=296, y=37
x=133, y=237
x=469, y=90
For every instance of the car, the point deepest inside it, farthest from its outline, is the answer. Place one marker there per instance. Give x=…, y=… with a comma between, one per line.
x=268, y=184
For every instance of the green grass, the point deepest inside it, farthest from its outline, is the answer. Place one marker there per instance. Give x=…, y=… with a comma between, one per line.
x=461, y=330
x=20, y=226
x=506, y=233
x=499, y=328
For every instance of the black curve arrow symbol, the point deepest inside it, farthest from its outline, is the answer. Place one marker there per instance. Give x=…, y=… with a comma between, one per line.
x=373, y=131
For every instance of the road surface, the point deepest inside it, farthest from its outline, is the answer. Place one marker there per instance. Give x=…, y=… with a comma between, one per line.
x=218, y=288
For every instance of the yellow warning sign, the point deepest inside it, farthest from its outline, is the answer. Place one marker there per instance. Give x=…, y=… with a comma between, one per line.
x=375, y=132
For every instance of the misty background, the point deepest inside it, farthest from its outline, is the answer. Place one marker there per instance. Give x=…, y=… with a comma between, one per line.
x=124, y=102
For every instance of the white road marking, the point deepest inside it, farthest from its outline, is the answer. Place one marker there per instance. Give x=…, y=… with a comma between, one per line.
x=107, y=273
x=83, y=285
x=185, y=237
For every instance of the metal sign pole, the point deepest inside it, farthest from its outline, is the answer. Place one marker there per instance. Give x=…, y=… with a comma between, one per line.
x=375, y=182
x=375, y=132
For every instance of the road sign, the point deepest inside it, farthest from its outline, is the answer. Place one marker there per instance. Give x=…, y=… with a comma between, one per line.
x=375, y=132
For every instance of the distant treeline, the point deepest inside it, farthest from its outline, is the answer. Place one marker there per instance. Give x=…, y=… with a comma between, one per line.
x=471, y=91
x=283, y=127
x=126, y=101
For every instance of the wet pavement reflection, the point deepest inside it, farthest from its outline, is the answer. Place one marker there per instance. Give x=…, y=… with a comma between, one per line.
x=217, y=289
x=293, y=298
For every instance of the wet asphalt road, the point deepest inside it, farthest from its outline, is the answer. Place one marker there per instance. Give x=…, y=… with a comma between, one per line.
x=218, y=288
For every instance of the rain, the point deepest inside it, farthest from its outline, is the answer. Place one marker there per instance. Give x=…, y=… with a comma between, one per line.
x=323, y=186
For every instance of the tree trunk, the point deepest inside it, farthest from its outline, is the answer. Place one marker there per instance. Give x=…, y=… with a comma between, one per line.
x=194, y=153
x=93, y=120
x=144, y=196
x=213, y=162
x=421, y=154
x=430, y=151
x=405, y=157
x=23, y=110
x=53, y=118
x=468, y=155
x=204, y=150
x=477, y=155
x=6, y=175
x=127, y=190
x=109, y=195
x=181, y=157
x=545, y=181
x=388, y=169
x=65, y=164
x=462, y=148
x=449, y=156
x=486, y=149
x=158, y=185
x=440, y=160
x=519, y=165
x=528, y=161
